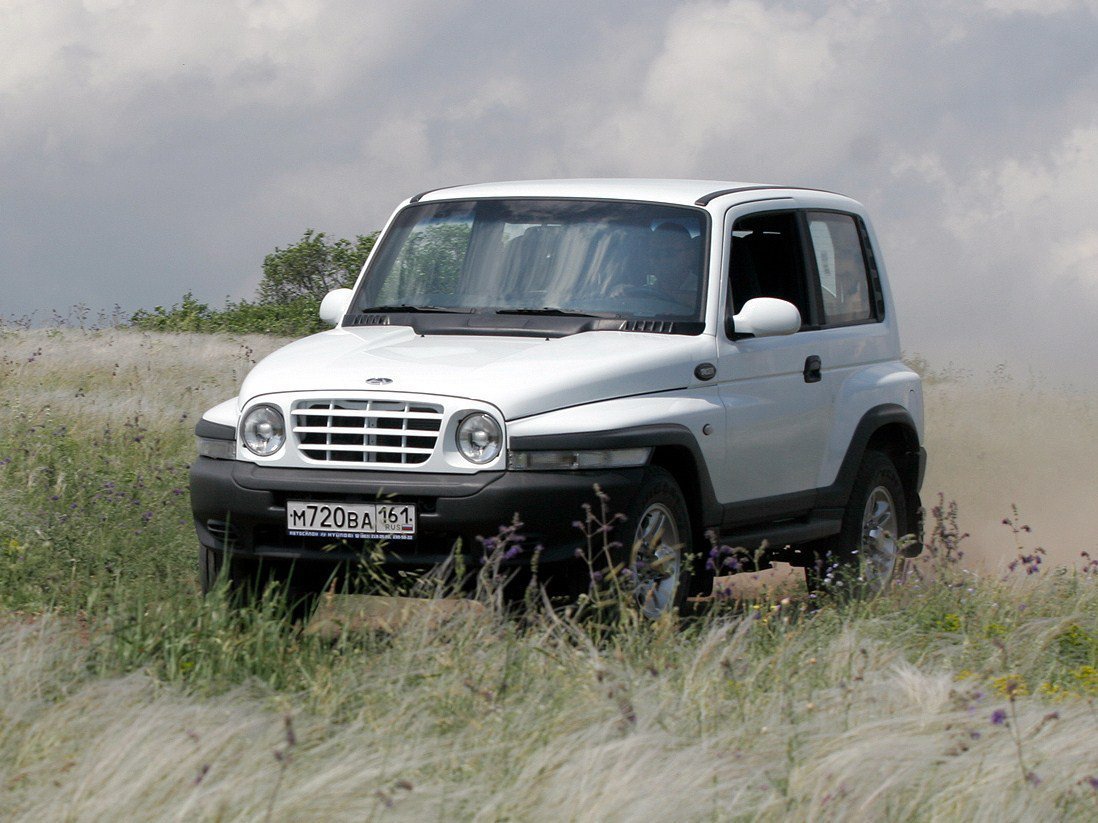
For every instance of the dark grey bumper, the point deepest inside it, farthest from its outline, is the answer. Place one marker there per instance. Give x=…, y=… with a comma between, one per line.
x=243, y=505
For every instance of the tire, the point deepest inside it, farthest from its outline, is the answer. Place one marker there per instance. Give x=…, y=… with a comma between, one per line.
x=661, y=544
x=245, y=583
x=867, y=554
x=241, y=586
x=209, y=568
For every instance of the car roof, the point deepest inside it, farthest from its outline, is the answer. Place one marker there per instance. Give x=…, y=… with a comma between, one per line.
x=681, y=192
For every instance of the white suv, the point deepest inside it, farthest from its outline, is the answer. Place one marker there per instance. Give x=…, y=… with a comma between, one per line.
x=721, y=359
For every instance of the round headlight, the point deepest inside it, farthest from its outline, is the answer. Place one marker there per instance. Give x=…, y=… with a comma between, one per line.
x=479, y=438
x=263, y=430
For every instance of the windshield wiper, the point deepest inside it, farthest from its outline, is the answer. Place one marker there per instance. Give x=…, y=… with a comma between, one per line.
x=555, y=312
x=405, y=307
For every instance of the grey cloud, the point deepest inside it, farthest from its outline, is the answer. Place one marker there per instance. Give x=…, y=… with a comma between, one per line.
x=148, y=154
x=921, y=111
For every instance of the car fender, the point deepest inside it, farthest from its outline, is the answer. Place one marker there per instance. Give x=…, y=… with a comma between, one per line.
x=691, y=420
x=860, y=401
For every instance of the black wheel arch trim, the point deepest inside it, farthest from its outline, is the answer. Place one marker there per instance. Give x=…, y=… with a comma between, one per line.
x=908, y=454
x=652, y=436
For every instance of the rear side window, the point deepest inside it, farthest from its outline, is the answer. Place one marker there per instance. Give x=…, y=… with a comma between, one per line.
x=841, y=267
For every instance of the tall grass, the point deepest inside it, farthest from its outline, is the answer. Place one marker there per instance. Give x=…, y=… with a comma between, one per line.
x=96, y=433
x=123, y=693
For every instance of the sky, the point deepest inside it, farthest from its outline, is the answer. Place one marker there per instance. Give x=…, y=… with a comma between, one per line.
x=151, y=149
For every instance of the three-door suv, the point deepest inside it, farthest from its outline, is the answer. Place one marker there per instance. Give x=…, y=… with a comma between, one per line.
x=720, y=359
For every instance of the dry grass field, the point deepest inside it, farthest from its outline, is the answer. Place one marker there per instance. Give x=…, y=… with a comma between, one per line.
x=966, y=693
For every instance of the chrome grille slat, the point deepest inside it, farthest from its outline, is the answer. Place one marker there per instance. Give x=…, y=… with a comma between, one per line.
x=347, y=447
x=389, y=432
x=356, y=430
x=360, y=414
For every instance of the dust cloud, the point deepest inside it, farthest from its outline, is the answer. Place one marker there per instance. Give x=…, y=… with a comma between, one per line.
x=997, y=444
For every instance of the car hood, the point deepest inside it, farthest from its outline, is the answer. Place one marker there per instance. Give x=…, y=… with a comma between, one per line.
x=520, y=376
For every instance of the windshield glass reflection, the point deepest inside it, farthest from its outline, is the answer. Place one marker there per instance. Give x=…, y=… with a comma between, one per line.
x=558, y=257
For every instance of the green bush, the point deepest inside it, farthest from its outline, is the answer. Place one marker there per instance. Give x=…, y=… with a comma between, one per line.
x=312, y=267
x=295, y=280
x=291, y=319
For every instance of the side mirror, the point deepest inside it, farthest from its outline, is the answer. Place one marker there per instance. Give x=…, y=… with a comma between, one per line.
x=334, y=305
x=767, y=317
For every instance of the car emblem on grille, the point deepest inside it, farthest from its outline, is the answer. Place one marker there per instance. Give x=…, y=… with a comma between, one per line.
x=379, y=381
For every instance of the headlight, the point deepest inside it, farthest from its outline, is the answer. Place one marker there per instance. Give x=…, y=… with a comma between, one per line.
x=479, y=438
x=263, y=430
x=587, y=459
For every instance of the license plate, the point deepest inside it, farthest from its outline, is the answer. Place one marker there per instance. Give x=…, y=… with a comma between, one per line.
x=389, y=521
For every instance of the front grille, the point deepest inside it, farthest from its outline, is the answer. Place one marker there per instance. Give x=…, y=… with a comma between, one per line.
x=366, y=431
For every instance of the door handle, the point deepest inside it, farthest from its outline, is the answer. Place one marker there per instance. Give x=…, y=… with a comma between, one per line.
x=813, y=369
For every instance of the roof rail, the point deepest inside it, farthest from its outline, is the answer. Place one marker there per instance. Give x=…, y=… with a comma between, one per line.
x=713, y=195
x=423, y=194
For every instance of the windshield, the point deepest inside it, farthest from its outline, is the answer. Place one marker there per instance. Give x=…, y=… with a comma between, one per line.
x=553, y=257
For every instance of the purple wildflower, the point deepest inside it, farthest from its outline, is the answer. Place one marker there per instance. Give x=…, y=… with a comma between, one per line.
x=998, y=717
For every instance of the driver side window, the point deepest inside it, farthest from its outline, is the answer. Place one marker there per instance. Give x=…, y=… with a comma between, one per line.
x=766, y=261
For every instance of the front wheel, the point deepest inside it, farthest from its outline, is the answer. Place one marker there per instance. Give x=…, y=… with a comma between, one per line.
x=867, y=554
x=241, y=582
x=658, y=570
x=209, y=568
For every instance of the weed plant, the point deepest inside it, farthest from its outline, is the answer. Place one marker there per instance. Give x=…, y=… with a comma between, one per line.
x=124, y=693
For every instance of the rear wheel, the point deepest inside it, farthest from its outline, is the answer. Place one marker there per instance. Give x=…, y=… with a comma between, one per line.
x=867, y=554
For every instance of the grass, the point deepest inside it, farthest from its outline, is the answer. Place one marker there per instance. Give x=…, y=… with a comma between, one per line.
x=123, y=693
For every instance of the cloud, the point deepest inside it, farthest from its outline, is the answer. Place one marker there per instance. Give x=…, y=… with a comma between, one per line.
x=147, y=149
x=74, y=73
x=726, y=80
x=1041, y=7
x=136, y=137
x=969, y=132
x=803, y=89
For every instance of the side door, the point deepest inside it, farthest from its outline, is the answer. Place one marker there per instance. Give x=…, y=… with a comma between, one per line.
x=778, y=403
x=855, y=342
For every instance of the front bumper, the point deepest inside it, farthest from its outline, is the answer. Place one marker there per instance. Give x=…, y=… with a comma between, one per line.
x=242, y=507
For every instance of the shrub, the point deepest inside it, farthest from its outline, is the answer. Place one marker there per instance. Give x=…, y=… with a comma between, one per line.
x=295, y=280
